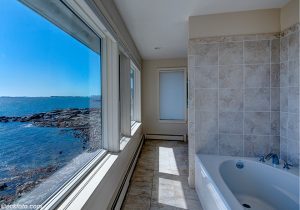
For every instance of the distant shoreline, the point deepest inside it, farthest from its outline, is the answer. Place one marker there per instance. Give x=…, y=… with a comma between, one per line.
x=92, y=96
x=86, y=122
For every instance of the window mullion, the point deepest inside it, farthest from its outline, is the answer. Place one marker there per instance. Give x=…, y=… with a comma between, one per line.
x=137, y=93
x=111, y=98
x=125, y=95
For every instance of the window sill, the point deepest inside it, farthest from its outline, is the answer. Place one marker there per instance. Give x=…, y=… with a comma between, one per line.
x=134, y=127
x=132, y=123
x=56, y=198
x=85, y=189
x=125, y=140
x=81, y=194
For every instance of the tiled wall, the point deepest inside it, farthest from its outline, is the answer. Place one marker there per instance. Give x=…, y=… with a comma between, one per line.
x=234, y=94
x=289, y=95
x=240, y=89
x=244, y=95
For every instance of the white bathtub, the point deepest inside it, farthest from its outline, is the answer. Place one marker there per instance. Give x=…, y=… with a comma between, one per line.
x=221, y=185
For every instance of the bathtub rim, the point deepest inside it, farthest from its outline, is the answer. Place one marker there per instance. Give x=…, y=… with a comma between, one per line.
x=210, y=164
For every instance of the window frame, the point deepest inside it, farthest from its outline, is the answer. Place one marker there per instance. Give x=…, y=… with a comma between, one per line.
x=173, y=69
x=137, y=95
x=70, y=191
x=132, y=95
x=109, y=92
x=124, y=94
x=110, y=73
x=127, y=123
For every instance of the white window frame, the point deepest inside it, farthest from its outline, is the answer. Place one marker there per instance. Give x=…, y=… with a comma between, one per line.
x=125, y=109
x=137, y=95
x=127, y=125
x=110, y=71
x=181, y=69
x=110, y=94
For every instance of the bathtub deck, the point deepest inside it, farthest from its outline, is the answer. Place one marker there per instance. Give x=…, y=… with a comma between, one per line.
x=160, y=179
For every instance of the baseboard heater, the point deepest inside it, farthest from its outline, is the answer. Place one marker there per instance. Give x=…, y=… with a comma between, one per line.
x=125, y=184
x=166, y=137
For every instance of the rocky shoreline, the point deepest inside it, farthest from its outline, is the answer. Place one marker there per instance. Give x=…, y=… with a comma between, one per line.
x=14, y=187
x=84, y=124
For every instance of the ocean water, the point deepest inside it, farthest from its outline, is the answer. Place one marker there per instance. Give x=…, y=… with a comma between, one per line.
x=25, y=147
x=20, y=106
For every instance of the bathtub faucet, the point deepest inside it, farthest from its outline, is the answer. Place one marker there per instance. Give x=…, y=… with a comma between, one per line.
x=275, y=159
x=286, y=165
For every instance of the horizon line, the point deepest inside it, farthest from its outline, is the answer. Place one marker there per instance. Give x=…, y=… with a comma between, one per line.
x=44, y=96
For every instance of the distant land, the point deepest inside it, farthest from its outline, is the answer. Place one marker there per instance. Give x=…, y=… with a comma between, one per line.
x=92, y=96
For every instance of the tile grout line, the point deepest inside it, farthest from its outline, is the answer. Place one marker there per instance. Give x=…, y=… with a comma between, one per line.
x=244, y=93
x=270, y=94
x=233, y=64
x=280, y=113
x=288, y=93
x=207, y=42
x=218, y=101
x=194, y=123
x=153, y=176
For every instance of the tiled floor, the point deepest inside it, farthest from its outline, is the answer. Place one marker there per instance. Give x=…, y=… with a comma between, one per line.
x=160, y=179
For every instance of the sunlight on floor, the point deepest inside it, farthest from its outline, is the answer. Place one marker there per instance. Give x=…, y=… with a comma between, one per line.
x=167, y=162
x=170, y=192
x=160, y=180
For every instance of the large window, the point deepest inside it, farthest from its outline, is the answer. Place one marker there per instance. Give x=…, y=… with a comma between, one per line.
x=132, y=93
x=50, y=99
x=172, y=94
x=135, y=92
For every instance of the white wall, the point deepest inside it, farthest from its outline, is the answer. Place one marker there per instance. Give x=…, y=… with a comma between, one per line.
x=150, y=97
x=289, y=14
x=247, y=22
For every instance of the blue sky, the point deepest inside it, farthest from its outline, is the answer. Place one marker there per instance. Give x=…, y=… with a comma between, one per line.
x=39, y=59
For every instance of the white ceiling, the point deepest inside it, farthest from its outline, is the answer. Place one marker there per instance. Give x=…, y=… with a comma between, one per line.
x=164, y=23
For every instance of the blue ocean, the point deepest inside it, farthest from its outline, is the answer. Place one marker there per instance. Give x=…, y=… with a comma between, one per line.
x=25, y=147
x=20, y=106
